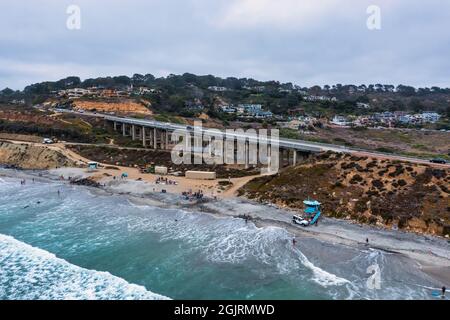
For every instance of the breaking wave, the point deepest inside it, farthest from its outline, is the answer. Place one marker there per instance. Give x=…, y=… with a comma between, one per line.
x=30, y=273
x=230, y=240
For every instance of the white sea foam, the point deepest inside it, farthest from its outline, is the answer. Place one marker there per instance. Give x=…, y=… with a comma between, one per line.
x=27, y=272
x=230, y=240
x=321, y=276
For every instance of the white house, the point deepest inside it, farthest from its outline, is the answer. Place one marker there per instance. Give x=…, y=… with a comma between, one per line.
x=74, y=93
x=250, y=108
x=260, y=114
x=217, y=89
x=363, y=105
x=340, y=121
x=430, y=116
x=319, y=98
x=144, y=90
x=228, y=109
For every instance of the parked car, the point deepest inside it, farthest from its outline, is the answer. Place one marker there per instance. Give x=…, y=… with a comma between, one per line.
x=439, y=161
x=47, y=141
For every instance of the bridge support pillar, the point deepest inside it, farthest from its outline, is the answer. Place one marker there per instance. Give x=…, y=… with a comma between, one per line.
x=133, y=132
x=150, y=137
x=246, y=154
x=284, y=155
x=163, y=139
x=294, y=158
x=115, y=126
x=167, y=140
x=144, y=141
x=124, y=130
x=155, y=140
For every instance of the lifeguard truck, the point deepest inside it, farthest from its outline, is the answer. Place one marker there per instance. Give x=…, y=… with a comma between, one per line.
x=311, y=214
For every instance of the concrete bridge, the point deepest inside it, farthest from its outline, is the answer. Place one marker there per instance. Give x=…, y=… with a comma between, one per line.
x=158, y=136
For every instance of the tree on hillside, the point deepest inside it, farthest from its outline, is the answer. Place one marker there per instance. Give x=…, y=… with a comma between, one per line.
x=406, y=90
x=7, y=92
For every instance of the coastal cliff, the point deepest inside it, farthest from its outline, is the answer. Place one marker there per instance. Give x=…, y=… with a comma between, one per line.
x=27, y=156
x=386, y=193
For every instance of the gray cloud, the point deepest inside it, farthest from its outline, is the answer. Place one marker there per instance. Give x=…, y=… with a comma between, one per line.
x=303, y=41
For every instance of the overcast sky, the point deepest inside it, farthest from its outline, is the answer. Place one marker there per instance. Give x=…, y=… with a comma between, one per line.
x=306, y=42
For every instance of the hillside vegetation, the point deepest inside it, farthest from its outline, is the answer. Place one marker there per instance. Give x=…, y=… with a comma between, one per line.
x=413, y=197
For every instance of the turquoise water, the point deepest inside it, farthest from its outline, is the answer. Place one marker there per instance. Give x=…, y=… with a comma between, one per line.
x=82, y=245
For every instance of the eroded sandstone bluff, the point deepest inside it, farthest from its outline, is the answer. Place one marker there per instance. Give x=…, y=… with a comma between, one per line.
x=27, y=156
x=413, y=197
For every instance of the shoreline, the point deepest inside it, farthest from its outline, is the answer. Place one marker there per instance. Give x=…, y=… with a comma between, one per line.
x=431, y=253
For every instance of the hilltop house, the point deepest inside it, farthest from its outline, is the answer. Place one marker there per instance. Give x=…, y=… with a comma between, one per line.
x=319, y=98
x=249, y=108
x=253, y=110
x=340, y=121
x=195, y=105
x=228, y=109
x=217, y=89
x=144, y=90
x=74, y=93
x=261, y=114
x=363, y=105
x=430, y=116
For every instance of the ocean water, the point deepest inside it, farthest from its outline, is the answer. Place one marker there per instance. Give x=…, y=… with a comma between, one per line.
x=82, y=245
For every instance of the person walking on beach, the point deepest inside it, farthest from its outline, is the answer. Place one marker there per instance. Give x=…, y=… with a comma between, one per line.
x=294, y=242
x=443, y=292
